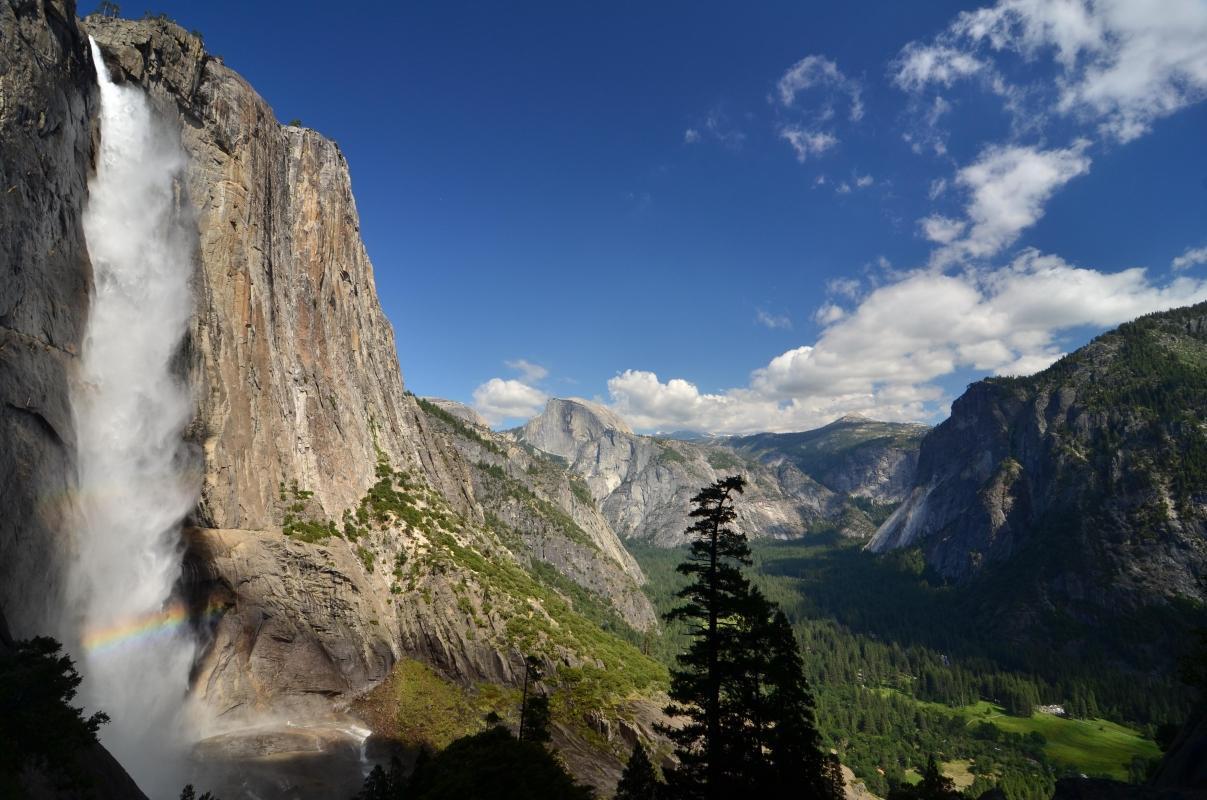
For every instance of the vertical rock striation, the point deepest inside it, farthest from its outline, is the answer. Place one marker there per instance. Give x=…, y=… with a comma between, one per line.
x=1079, y=492
x=47, y=104
x=304, y=421
x=293, y=360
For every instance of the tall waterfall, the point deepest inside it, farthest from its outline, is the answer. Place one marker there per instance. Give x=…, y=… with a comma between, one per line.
x=134, y=471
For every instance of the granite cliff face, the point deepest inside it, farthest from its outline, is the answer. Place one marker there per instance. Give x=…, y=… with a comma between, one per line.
x=343, y=526
x=292, y=361
x=1089, y=479
x=644, y=484
x=47, y=106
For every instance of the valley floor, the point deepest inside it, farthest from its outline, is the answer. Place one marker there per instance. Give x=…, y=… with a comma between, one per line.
x=901, y=671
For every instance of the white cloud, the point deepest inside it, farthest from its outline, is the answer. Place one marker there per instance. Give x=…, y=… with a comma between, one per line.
x=857, y=182
x=1121, y=64
x=807, y=143
x=829, y=313
x=847, y=287
x=1191, y=258
x=1007, y=187
x=529, y=372
x=937, y=188
x=941, y=229
x=920, y=65
x=818, y=71
x=498, y=400
x=773, y=321
x=691, y=136
x=883, y=357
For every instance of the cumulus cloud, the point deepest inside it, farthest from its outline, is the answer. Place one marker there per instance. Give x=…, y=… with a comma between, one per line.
x=807, y=143
x=1006, y=187
x=691, y=136
x=772, y=321
x=884, y=357
x=1191, y=258
x=1121, y=64
x=499, y=399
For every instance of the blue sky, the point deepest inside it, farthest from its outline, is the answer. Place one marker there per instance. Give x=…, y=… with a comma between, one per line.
x=749, y=216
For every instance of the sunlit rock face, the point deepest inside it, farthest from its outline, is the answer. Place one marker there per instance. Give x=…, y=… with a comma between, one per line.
x=1071, y=503
x=644, y=484
x=299, y=401
x=292, y=359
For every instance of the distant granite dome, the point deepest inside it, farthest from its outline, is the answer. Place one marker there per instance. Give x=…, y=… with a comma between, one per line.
x=460, y=411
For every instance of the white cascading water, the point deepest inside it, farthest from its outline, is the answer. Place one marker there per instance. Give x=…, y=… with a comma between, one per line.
x=136, y=480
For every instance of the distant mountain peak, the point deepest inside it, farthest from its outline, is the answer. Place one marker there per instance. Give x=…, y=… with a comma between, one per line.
x=586, y=411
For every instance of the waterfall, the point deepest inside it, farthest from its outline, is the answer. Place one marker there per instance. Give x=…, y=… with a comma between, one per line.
x=136, y=482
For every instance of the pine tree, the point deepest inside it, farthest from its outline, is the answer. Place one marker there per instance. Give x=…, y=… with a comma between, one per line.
x=933, y=786
x=741, y=685
x=797, y=765
x=638, y=781
x=714, y=603
x=382, y=784
x=534, y=709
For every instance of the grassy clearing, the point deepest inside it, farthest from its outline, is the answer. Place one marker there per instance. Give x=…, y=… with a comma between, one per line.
x=957, y=770
x=1092, y=746
x=418, y=706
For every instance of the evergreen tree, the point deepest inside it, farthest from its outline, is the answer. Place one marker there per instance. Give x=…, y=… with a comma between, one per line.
x=933, y=786
x=834, y=784
x=638, y=781
x=534, y=708
x=189, y=793
x=536, y=720
x=382, y=784
x=741, y=685
x=40, y=729
x=494, y=764
x=797, y=765
x=714, y=602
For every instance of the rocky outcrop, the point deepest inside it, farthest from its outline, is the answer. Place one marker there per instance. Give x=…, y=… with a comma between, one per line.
x=315, y=629
x=47, y=103
x=534, y=499
x=644, y=484
x=460, y=411
x=853, y=456
x=1088, y=477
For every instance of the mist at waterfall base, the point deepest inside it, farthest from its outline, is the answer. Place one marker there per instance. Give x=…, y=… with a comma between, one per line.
x=134, y=470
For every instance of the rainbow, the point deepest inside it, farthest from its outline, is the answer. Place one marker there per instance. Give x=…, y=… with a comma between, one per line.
x=133, y=631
